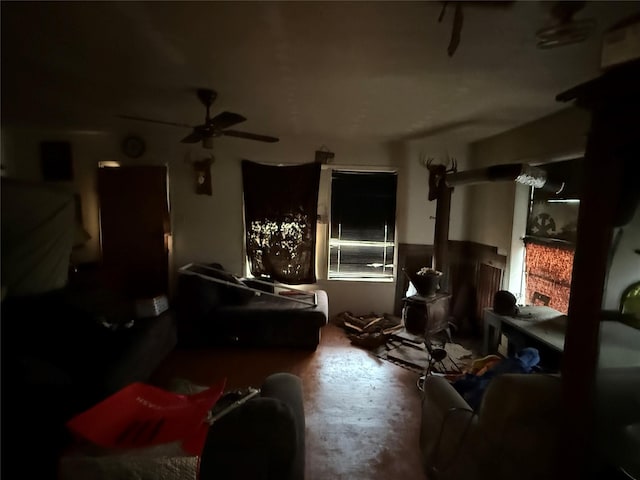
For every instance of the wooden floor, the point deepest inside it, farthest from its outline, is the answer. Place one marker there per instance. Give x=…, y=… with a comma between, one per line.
x=362, y=413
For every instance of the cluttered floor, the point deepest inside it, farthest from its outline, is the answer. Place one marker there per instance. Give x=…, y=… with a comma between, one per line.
x=361, y=413
x=386, y=337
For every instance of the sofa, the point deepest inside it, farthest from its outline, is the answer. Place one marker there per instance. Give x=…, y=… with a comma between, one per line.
x=263, y=438
x=230, y=312
x=617, y=403
x=57, y=360
x=65, y=344
x=513, y=434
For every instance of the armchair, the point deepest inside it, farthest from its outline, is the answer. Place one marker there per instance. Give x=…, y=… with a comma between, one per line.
x=513, y=434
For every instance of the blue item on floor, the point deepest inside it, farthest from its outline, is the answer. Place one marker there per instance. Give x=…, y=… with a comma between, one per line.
x=472, y=387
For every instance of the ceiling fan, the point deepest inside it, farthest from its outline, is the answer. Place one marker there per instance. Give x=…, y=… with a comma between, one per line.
x=565, y=29
x=212, y=127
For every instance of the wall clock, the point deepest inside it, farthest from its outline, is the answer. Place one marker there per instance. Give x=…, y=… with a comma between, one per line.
x=133, y=146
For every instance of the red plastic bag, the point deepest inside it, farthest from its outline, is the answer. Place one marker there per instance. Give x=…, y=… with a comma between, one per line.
x=141, y=415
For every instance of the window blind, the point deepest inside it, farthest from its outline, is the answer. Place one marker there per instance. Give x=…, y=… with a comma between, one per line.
x=363, y=207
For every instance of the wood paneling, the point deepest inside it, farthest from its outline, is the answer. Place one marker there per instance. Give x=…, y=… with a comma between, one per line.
x=489, y=282
x=475, y=274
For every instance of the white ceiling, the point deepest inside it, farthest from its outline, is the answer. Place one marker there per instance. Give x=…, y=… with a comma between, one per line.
x=356, y=70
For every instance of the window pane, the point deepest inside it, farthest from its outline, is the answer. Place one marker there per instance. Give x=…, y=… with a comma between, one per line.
x=550, y=237
x=363, y=205
x=349, y=260
x=549, y=270
x=362, y=225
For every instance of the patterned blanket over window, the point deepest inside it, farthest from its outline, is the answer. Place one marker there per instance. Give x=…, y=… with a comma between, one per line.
x=281, y=204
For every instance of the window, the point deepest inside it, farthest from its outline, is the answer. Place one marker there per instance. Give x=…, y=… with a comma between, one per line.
x=550, y=238
x=363, y=219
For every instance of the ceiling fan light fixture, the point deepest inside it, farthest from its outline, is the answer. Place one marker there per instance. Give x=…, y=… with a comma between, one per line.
x=207, y=142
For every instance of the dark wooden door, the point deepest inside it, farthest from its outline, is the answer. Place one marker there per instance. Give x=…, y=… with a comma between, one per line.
x=134, y=218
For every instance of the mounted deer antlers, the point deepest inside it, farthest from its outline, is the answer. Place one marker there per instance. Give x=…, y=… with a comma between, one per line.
x=437, y=173
x=424, y=160
x=454, y=165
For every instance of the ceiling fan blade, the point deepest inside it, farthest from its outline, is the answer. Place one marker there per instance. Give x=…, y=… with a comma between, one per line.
x=143, y=119
x=250, y=136
x=226, y=119
x=193, y=137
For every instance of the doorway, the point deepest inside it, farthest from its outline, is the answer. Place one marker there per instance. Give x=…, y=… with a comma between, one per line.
x=134, y=223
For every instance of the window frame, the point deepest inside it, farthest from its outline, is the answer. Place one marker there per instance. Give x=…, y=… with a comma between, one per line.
x=385, y=244
x=570, y=196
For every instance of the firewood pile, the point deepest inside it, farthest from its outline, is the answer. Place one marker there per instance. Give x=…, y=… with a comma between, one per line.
x=369, y=331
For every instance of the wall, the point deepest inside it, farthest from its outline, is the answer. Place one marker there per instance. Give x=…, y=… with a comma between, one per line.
x=412, y=191
x=625, y=264
x=21, y=159
x=497, y=211
x=210, y=228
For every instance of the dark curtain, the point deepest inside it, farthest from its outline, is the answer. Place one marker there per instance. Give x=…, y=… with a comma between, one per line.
x=281, y=204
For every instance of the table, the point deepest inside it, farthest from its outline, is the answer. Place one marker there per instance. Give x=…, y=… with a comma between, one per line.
x=619, y=343
x=617, y=378
x=539, y=322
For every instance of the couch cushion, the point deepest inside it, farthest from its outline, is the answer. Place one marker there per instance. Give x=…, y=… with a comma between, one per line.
x=269, y=321
x=272, y=309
